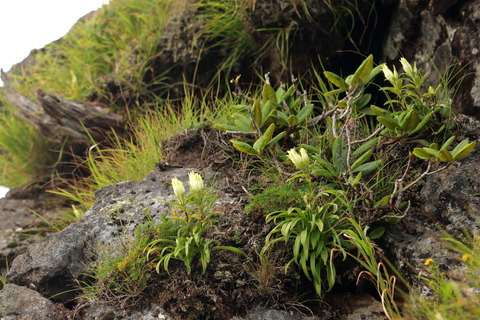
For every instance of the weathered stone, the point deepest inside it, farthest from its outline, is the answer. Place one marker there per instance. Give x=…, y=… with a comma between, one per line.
x=451, y=198
x=270, y=314
x=104, y=311
x=21, y=303
x=448, y=202
x=51, y=265
x=440, y=32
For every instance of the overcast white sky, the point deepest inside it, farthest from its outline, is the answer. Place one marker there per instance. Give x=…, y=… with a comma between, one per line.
x=31, y=24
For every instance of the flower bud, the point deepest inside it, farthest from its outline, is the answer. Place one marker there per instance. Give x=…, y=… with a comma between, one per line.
x=387, y=73
x=301, y=160
x=195, y=182
x=178, y=188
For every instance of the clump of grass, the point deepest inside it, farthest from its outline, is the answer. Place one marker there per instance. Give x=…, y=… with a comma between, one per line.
x=117, y=44
x=124, y=272
x=133, y=158
x=24, y=154
x=226, y=28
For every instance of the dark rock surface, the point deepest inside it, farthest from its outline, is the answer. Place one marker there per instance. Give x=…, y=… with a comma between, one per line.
x=51, y=265
x=102, y=311
x=445, y=33
x=17, y=217
x=447, y=204
x=21, y=303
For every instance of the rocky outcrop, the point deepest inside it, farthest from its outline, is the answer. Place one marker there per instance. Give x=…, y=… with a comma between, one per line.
x=439, y=31
x=442, y=32
x=447, y=205
x=21, y=303
x=53, y=265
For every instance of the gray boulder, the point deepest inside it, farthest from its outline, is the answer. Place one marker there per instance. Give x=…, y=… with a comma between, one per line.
x=54, y=265
x=21, y=303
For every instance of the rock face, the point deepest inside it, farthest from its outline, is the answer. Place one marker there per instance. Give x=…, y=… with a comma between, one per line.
x=20, y=303
x=51, y=265
x=442, y=32
x=448, y=202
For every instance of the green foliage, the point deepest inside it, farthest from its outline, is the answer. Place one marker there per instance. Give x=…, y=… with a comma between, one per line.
x=462, y=150
x=133, y=158
x=126, y=271
x=376, y=271
x=313, y=233
x=117, y=44
x=18, y=142
x=413, y=108
x=277, y=197
x=195, y=217
x=343, y=159
x=225, y=28
x=274, y=117
x=453, y=296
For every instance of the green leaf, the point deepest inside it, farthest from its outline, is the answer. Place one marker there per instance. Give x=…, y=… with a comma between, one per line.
x=363, y=72
x=465, y=151
x=260, y=144
x=357, y=179
x=319, y=224
x=333, y=92
x=426, y=119
x=409, y=121
x=363, y=100
x=288, y=95
x=460, y=146
x=432, y=151
x=362, y=159
x=244, y=147
x=257, y=113
x=365, y=146
x=339, y=155
x=445, y=155
x=296, y=249
x=379, y=111
x=421, y=153
x=275, y=139
x=282, y=119
x=368, y=167
x=230, y=248
x=243, y=123
x=383, y=202
x=292, y=120
x=335, y=79
x=447, y=143
x=268, y=94
x=304, y=113
x=375, y=72
x=280, y=93
x=388, y=122
x=377, y=232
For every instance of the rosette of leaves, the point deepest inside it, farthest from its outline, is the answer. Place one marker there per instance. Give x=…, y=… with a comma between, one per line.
x=353, y=85
x=357, y=163
x=269, y=119
x=315, y=234
x=412, y=109
x=434, y=152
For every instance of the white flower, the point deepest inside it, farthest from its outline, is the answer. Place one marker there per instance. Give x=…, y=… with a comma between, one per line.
x=387, y=73
x=407, y=67
x=301, y=160
x=195, y=182
x=178, y=188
